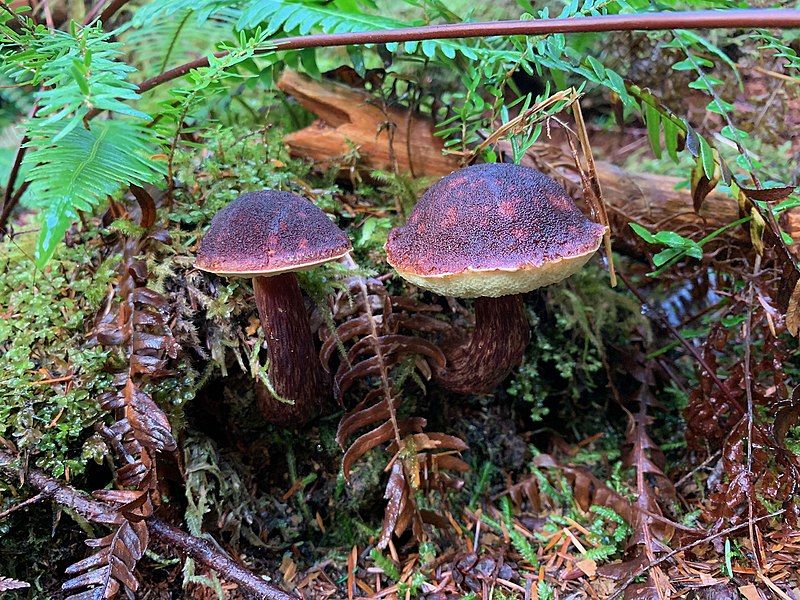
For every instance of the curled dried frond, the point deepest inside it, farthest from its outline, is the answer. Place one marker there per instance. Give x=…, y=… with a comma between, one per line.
x=650, y=533
x=718, y=420
x=139, y=326
x=8, y=584
x=378, y=348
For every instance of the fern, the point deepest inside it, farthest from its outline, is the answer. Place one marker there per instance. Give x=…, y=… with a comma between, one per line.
x=70, y=167
x=202, y=9
x=79, y=70
x=337, y=16
x=78, y=171
x=172, y=37
x=385, y=564
x=520, y=542
x=780, y=49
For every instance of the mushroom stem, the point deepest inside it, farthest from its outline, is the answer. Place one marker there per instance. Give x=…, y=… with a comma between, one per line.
x=294, y=370
x=479, y=363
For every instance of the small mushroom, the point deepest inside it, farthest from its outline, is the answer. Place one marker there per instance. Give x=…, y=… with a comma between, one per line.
x=267, y=236
x=491, y=232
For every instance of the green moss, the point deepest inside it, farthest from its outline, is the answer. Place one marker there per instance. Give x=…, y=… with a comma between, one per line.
x=50, y=377
x=584, y=316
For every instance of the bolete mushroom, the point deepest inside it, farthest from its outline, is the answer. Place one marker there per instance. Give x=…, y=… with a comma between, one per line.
x=491, y=232
x=267, y=236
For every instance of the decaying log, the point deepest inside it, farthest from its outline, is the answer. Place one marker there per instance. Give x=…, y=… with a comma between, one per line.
x=350, y=118
x=353, y=119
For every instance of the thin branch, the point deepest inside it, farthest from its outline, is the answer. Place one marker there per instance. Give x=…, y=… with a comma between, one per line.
x=112, y=9
x=32, y=500
x=701, y=19
x=748, y=388
x=200, y=550
x=206, y=553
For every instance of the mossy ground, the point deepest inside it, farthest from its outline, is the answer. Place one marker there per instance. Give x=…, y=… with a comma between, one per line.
x=265, y=491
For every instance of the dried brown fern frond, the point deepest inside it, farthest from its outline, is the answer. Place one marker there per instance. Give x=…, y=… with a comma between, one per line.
x=717, y=419
x=139, y=326
x=380, y=350
x=651, y=531
x=7, y=584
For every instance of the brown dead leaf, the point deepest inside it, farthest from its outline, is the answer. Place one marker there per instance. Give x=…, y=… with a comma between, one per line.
x=288, y=568
x=793, y=311
x=769, y=194
x=702, y=186
x=253, y=326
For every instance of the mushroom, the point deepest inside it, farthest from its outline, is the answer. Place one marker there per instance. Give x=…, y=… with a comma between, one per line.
x=491, y=232
x=267, y=236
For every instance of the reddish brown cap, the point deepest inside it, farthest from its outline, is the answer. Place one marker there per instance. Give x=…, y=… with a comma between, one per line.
x=269, y=232
x=492, y=230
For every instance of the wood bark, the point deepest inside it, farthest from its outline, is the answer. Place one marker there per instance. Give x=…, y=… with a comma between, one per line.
x=349, y=119
x=352, y=119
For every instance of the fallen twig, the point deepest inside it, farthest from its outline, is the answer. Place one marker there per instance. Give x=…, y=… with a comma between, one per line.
x=200, y=550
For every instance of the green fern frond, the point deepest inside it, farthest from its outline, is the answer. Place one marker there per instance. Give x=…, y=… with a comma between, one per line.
x=780, y=49
x=79, y=71
x=80, y=170
x=174, y=37
x=159, y=9
x=297, y=17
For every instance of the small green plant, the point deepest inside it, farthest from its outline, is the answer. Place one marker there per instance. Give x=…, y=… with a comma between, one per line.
x=49, y=377
x=385, y=563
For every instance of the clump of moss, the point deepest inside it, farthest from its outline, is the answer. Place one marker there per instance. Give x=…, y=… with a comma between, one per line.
x=583, y=317
x=49, y=376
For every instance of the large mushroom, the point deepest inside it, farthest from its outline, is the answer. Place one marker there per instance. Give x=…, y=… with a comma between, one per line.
x=491, y=232
x=267, y=236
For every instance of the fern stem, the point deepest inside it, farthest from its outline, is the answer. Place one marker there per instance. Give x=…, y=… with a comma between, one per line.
x=702, y=19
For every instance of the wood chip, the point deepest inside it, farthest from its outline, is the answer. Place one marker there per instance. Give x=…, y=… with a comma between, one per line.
x=750, y=592
x=588, y=566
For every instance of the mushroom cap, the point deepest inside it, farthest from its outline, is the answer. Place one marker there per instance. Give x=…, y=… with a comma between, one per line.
x=266, y=233
x=492, y=230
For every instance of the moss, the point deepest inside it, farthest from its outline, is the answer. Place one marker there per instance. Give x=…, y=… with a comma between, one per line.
x=582, y=319
x=50, y=376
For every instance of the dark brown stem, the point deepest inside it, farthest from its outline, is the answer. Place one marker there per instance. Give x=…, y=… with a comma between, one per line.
x=294, y=369
x=480, y=363
x=200, y=550
x=701, y=19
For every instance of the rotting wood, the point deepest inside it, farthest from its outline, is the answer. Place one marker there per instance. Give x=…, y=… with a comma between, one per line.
x=353, y=119
x=349, y=119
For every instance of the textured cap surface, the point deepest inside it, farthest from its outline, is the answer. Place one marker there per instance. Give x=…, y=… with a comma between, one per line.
x=492, y=230
x=269, y=232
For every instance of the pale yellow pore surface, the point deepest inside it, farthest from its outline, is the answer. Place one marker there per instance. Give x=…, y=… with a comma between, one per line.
x=271, y=272
x=493, y=283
